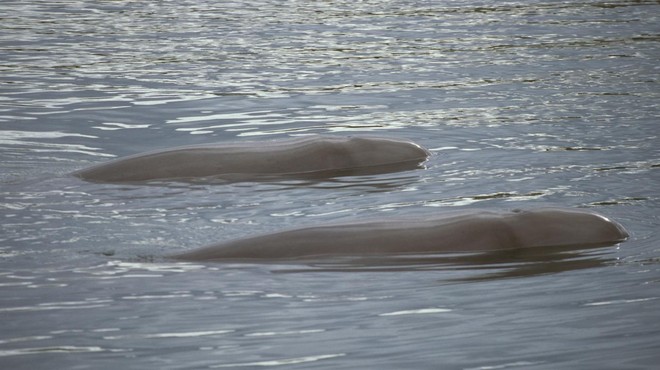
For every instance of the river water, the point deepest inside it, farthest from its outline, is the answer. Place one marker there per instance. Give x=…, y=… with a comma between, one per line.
x=523, y=104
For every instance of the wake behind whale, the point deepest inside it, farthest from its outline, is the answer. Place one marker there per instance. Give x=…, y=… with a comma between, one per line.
x=304, y=157
x=470, y=231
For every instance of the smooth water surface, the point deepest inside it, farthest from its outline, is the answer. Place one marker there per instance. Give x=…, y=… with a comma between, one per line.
x=523, y=104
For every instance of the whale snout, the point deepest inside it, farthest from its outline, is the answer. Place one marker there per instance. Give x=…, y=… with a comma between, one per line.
x=388, y=150
x=618, y=231
x=567, y=226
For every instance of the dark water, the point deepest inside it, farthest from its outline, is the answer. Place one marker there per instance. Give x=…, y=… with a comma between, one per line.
x=523, y=103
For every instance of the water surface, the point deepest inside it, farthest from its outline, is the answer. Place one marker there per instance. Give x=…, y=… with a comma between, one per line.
x=523, y=104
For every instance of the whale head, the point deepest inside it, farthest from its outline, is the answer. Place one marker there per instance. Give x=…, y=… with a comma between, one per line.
x=385, y=151
x=563, y=227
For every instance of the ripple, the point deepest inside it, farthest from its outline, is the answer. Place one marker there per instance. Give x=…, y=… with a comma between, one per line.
x=113, y=126
x=25, y=339
x=621, y=301
x=73, y=305
x=420, y=311
x=526, y=364
x=157, y=296
x=192, y=334
x=46, y=350
x=282, y=362
x=21, y=139
x=278, y=333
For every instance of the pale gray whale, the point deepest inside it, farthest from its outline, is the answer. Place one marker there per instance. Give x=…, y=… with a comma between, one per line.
x=469, y=231
x=303, y=157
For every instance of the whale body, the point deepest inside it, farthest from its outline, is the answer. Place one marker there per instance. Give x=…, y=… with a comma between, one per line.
x=304, y=157
x=473, y=231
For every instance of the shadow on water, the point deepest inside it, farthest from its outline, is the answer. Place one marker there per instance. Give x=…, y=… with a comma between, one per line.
x=333, y=180
x=372, y=183
x=306, y=176
x=484, y=266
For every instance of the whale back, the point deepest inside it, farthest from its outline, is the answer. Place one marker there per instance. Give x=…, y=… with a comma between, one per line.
x=313, y=156
x=471, y=231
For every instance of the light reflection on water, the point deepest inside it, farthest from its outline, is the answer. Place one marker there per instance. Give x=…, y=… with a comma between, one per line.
x=523, y=104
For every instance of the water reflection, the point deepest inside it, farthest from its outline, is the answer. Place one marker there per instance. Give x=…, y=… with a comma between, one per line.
x=368, y=182
x=495, y=265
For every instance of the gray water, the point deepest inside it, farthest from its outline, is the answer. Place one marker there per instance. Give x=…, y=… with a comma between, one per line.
x=523, y=104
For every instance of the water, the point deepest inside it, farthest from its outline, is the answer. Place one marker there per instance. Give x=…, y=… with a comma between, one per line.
x=523, y=103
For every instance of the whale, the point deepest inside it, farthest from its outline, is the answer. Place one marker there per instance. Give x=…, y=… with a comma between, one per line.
x=467, y=231
x=317, y=156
